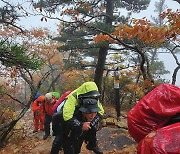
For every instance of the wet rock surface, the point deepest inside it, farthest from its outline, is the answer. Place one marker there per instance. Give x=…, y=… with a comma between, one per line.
x=113, y=139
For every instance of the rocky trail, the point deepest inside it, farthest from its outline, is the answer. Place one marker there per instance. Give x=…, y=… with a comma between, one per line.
x=112, y=139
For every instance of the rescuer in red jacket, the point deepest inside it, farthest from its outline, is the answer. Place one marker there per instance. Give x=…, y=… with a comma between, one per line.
x=50, y=100
x=38, y=113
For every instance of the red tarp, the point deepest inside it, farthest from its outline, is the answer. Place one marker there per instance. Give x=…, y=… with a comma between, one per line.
x=153, y=111
x=165, y=140
x=60, y=100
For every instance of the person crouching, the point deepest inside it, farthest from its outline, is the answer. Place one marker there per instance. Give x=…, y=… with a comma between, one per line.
x=82, y=113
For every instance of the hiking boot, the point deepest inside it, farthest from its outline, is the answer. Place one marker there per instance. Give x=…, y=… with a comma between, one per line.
x=45, y=137
x=95, y=149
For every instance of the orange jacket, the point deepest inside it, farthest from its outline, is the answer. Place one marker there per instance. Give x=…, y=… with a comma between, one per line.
x=48, y=107
x=37, y=106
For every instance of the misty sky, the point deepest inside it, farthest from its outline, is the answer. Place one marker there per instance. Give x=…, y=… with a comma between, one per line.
x=35, y=22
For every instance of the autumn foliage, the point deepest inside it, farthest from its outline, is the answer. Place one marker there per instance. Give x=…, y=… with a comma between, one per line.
x=143, y=30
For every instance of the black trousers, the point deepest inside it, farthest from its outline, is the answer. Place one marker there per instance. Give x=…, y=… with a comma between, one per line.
x=48, y=120
x=73, y=139
x=58, y=141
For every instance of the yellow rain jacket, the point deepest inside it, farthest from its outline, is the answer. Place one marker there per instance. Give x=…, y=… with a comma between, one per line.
x=72, y=100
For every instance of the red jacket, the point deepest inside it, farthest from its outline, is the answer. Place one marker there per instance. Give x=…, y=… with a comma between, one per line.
x=48, y=107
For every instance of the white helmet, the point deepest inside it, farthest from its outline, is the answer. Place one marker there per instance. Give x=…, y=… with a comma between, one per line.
x=48, y=98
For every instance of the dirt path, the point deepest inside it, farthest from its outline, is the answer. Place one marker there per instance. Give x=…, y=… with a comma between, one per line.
x=111, y=141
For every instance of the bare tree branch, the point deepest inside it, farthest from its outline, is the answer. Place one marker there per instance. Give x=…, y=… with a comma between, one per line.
x=15, y=99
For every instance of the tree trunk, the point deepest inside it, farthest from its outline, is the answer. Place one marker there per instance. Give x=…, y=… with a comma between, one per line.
x=6, y=129
x=100, y=67
x=104, y=49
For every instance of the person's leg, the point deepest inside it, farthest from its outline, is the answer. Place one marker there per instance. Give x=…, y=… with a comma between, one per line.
x=77, y=145
x=78, y=139
x=41, y=122
x=67, y=141
x=90, y=137
x=57, y=142
x=56, y=145
x=68, y=146
x=47, y=122
x=36, y=124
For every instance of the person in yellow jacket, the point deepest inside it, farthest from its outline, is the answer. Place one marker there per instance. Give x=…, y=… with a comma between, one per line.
x=81, y=114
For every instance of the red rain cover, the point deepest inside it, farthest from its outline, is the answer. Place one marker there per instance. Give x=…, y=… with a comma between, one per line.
x=60, y=100
x=153, y=111
x=165, y=140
